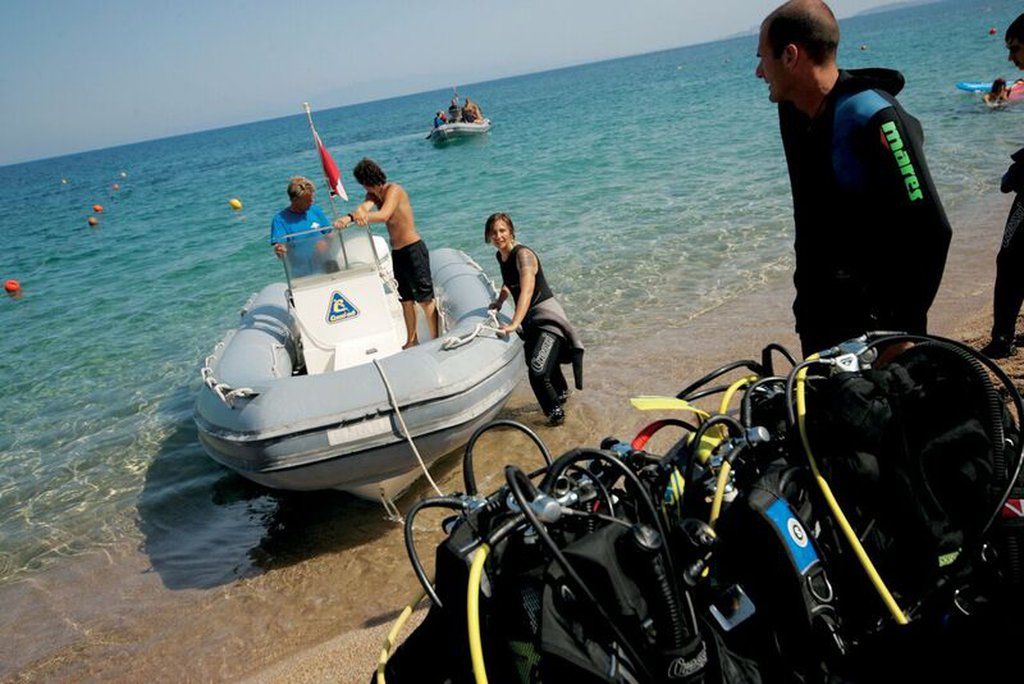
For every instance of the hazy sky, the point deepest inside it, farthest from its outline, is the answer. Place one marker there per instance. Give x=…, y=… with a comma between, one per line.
x=86, y=74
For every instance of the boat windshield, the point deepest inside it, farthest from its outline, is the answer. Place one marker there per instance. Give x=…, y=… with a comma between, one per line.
x=317, y=255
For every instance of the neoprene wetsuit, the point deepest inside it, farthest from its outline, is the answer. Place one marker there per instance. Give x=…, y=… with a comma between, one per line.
x=546, y=346
x=871, y=233
x=1009, y=288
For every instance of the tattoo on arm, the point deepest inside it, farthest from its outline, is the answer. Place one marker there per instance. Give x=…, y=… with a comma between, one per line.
x=526, y=262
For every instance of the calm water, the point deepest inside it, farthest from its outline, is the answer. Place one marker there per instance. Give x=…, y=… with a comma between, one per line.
x=653, y=184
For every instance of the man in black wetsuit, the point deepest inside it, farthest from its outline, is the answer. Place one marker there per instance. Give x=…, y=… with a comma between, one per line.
x=871, y=233
x=1009, y=290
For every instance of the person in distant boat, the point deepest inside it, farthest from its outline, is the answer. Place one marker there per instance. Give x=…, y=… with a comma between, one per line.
x=440, y=119
x=871, y=234
x=549, y=339
x=471, y=112
x=999, y=95
x=1009, y=288
x=388, y=203
x=300, y=216
x=455, y=110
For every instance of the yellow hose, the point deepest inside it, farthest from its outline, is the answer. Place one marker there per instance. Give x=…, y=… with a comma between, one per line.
x=716, y=503
x=837, y=512
x=476, y=651
x=731, y=392
x=389, y=642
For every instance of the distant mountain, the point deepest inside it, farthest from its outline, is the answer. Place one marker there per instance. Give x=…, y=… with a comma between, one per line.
x=901, y=4
x=895, y=6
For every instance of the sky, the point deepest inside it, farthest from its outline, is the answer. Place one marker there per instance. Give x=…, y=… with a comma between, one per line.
x=87, y=74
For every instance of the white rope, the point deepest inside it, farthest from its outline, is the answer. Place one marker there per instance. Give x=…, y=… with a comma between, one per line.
x=456, y=342
x=405, y=430
x=391, y=511
x=224, y=391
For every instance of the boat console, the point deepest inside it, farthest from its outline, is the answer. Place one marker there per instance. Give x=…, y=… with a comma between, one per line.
x=342, y=297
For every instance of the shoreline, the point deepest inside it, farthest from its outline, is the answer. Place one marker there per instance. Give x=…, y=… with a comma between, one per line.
x=323, y=615
x=962, y=311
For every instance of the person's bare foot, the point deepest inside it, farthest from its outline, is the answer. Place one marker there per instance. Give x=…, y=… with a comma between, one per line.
x=410, y=343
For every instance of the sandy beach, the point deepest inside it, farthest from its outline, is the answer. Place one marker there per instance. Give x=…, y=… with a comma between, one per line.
x=962, y=311
x=321, y=609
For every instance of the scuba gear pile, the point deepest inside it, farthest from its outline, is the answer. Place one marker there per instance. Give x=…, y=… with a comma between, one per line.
x=846, y=522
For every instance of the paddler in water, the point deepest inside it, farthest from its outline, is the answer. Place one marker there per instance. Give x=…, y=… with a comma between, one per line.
x=999, y=95
x=388, y=203
x=871, y=233
x=549, y=339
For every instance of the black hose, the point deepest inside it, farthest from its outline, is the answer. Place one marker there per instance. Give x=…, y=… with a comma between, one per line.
x=791, y=381
x=718, y=372
x=718, y=419
x=450, y=502
x=745, y=405
x=645, y=545
x=515, y=478
x=1011, y=389
x=766, y=357
x=599, y=486
x=584, y=454
x=717, y=389
x=468, y=477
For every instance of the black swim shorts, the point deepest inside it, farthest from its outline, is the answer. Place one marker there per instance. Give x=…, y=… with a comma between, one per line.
x=412, y=271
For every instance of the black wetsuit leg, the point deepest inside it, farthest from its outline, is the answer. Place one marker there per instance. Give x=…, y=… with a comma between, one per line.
x=1009, y=289
x=558, y=379
x=543, y=349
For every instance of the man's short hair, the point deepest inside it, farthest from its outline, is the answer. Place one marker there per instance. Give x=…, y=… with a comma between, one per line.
x=368, y=173
x=1015, y=32
x=300, y=186
x=809, y=24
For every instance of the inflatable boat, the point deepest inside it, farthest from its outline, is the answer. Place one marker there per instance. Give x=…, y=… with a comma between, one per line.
x=314, y=391
x=452, y=131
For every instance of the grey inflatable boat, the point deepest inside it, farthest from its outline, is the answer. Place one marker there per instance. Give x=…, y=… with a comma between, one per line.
x=313, y=390
x=459, y=129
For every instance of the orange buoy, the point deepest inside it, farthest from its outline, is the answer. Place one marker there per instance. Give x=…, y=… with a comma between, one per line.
x=235, y=203
x=93, y=221
x=11, y=286
x=98, y=208
x=992, y=31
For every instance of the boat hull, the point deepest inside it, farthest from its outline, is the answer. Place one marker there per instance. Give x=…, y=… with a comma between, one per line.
x=456, y=131
x=340, y=430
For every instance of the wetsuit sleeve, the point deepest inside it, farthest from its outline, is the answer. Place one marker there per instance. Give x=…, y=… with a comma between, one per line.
x=912, y=234
x=1013, y=179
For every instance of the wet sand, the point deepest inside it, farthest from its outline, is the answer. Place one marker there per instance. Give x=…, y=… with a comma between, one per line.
x=321, y=610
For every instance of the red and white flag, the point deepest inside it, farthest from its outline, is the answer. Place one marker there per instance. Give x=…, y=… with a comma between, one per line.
x=330, y=168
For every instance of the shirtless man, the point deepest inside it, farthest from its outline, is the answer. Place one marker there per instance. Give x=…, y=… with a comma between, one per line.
x=388, y=203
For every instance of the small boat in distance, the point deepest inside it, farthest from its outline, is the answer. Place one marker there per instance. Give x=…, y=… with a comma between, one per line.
x=452, y=131
x=313, y=391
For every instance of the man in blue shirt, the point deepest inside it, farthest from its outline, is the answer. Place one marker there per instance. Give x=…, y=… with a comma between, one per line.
x=300, y=216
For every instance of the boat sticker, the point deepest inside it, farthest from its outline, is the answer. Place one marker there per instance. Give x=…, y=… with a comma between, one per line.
x=340, y=309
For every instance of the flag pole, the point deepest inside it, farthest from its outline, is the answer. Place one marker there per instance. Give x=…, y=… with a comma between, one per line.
x=316, y=136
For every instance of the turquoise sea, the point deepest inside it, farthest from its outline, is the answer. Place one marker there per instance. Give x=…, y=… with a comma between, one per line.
x=651, y=186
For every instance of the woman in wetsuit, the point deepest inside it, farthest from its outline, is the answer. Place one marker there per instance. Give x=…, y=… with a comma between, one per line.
x=547, y=335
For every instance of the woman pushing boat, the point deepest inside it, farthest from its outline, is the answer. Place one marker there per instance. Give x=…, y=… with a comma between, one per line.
x=549, y=339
